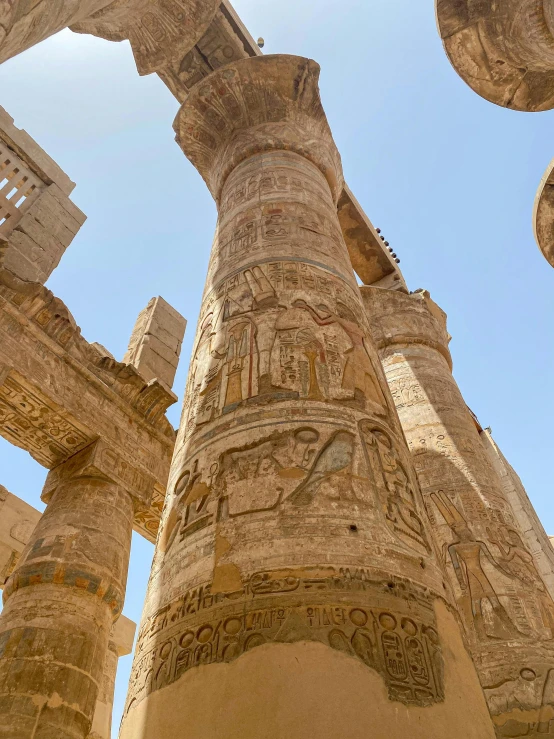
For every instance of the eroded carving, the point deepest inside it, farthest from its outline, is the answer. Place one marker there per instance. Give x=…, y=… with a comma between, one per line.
x=203, y=627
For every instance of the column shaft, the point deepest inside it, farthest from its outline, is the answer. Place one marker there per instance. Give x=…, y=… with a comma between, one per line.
x=507, y=610
x=60, y=604
x=295, y=590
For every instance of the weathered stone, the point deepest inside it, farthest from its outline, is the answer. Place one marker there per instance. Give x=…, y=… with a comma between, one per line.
x=543, y=214
x=536, y=539
x=370, y=260
x=503, y=50
x=61, y=602
x=120, y=644
x=160, y=31
x=155, y=344
x=36, y=216
x=17, y=521
x=294, y=555
x=507, y=609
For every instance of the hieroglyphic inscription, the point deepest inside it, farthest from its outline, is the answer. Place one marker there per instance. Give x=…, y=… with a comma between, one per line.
x=260, y=340
x=348, y=610
x=30, y=421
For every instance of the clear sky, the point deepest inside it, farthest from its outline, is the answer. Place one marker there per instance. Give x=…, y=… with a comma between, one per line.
x=448, y=177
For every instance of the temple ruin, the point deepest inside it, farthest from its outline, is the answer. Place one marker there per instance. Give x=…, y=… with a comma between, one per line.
x=339, y=543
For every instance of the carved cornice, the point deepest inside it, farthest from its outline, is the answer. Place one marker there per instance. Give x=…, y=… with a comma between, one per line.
x=503, y=50
x=257, y=105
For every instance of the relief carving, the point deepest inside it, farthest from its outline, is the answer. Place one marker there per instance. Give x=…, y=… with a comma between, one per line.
x=389, y=473
x=501, y=590
x=260, y=341
x=32, y=422
x=342, y=609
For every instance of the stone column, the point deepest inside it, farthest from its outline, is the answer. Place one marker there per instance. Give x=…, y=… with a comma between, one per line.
x=120, y=644
x=61, y=603
x=506, y=608
x=295, y=590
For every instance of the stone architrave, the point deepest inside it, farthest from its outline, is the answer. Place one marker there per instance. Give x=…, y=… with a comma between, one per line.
x=157, y=30
x=63, y=598
x=295, y=590
x=502, y=598
x=503, y=50
x=24, y=23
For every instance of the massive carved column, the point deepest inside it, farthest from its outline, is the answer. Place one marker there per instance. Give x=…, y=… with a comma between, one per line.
x=508, y=613
x=295, y=590
x=62, y=600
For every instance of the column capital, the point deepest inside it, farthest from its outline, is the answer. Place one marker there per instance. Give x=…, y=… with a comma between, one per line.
x=159, y=31
x=397, y=318
x=543, y=214
x=503, y=50
x=257, y=105
x=102, y=461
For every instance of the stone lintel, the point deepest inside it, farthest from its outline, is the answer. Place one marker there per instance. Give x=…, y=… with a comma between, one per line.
x=370, y=259
x=543, y=214
x=155, y=345
x=160, y=32
x=123, y=635
x=58, y=394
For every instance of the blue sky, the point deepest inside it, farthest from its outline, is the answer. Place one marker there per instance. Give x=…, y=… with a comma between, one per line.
x=448, y=177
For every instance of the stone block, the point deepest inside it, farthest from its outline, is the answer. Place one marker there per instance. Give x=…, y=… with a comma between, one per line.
x=17, y=521
x=67, y=204
x=28, y=149
x=155, y=344
x=123, y=635
x=49, y=217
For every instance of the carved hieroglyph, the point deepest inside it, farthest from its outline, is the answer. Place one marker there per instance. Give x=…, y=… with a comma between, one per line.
x=159, y=31
x=503, y=50
x=294, y=520
x=506, y=607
